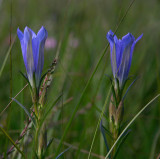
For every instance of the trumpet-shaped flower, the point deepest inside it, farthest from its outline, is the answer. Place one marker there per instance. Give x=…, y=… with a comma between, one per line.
x=32, y=46
x=121, y=51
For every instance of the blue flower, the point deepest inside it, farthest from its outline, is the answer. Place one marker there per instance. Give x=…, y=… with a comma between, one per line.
x=32, y=46
x=121, y=52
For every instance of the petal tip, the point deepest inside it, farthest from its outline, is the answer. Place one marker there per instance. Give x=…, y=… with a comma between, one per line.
x=19, y=34
x=109, y=36
x=138, y=38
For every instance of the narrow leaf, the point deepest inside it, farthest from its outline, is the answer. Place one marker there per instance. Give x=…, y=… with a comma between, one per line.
x=10, y=139
x=108, y=132
x=129, y=88
x=99, y=120
x=26, y=111
x=48, y=145
x=104, y=135
x=62, y=153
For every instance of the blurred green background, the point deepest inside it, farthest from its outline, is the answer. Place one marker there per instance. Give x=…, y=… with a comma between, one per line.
x=80, y=27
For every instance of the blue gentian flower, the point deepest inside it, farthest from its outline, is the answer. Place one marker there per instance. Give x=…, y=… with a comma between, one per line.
x=32, y=46
x=121, y=51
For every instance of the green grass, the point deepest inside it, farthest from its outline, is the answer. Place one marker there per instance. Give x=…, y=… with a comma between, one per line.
x=88, y=21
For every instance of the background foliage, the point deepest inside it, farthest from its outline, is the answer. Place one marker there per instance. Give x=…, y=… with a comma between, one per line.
x=80, y=27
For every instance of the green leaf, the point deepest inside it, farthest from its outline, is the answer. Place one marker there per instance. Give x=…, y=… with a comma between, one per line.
x=10, y=139
x=104, y=136
x=48, y=145
x=108, y=132
x=26, y=111
x=129, y=88
x=26, y=78
x=62, y=153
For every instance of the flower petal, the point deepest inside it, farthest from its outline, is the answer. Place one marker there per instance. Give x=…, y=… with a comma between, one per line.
x=28, y=54
x=118, y=53
x=138, y=38
x=125, y=65
x=110, y=38
x=127, y=40
x=32, y=32
x=38, y=53
x=20, y=34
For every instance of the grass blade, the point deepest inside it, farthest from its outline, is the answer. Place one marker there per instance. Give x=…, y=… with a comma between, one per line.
x=135, y=117
x=155, y=141
x=10, y=139
x=6, y=57
x=100, y=118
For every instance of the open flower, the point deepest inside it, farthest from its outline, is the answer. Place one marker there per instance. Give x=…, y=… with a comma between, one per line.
x=121, y=51
x=32, y=46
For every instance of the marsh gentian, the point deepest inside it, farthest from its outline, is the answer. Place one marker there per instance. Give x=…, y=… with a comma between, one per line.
x=32, y=46
x=121, y=51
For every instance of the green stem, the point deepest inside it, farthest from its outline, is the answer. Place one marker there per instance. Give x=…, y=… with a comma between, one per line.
x=40, y=137
x=36, y=139
x=37, y=122
x=115, y=135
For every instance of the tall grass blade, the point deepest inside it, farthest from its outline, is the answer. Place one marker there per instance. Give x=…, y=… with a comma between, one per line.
x=12, y=100
x=100, y=118
x=6, y=57
x=10, y=139
x=135, y=117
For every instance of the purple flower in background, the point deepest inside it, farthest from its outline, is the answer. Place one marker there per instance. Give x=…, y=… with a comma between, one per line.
x=121, y=52
x=50, y=43
x=32, y=46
